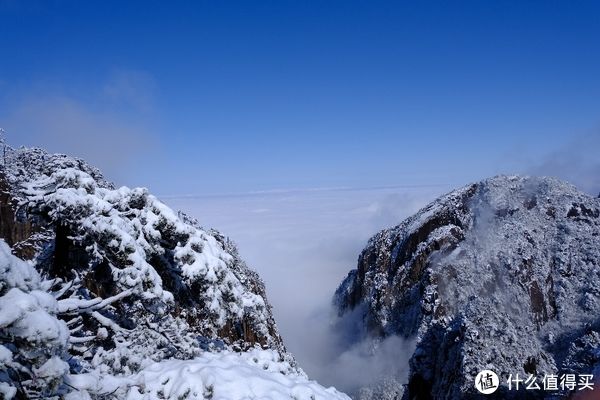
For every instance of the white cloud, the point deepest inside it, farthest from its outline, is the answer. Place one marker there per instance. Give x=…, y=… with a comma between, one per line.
x=93, y=126
x=303, y=243
x=577, y=161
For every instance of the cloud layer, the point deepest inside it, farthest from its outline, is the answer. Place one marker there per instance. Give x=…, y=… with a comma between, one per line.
x=303, y=243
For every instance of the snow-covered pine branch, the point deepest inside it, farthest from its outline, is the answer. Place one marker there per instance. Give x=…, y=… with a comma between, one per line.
x=73, y=305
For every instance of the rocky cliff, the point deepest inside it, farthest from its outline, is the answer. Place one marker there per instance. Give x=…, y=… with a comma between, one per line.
x=120, y=292
x=503, y=274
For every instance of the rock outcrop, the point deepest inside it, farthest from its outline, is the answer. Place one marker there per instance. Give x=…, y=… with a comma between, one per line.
x=503, y=275
x=119, y=287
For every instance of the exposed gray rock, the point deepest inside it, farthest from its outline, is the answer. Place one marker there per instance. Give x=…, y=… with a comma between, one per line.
x=503, y=274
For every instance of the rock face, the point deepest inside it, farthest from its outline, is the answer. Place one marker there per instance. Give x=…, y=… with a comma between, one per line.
x=503, y=274
x=62, y=213
x=131, y=281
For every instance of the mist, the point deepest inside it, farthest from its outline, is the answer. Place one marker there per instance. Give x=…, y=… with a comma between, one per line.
x=110, y=125
x=576, y=161
x=303, y=243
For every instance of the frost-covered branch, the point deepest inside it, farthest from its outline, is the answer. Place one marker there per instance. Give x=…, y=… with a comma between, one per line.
x=109, y=323
x=81, y=339
x=73, y=305
x=64, y=289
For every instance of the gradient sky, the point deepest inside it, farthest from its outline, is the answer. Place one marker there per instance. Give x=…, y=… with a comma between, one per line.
x=395, y=102
x=222, y=97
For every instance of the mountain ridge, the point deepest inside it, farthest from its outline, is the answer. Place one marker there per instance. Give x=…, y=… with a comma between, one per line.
x=118, y=290
x=500, y=274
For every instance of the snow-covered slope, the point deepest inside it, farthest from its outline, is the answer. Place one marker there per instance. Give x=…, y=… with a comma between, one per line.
x=503, y=275
x=36, y=357
x=124, y=298
x=224, y=375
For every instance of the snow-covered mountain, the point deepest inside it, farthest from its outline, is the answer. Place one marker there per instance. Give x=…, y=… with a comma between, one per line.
x=107, y=293
x=503, y=275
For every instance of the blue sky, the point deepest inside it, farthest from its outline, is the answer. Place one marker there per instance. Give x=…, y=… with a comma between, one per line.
x=226, y=97
x=397, y=102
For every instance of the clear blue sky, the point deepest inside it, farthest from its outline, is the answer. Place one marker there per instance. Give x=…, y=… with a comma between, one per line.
x=222, y=96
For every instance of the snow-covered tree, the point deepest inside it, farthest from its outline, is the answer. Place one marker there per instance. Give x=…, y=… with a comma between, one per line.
x=33, y=341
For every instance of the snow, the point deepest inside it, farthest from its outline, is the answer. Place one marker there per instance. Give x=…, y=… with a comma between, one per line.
x=7, y=391
x=490, y=276
x=148, y=305
x=32, y=338
x=255, y=374
x=14, y=274
x=128, y=227
x=5, y=356
x=54, y=367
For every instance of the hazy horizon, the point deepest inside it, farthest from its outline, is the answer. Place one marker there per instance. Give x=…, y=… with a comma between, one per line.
x=235, y=97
